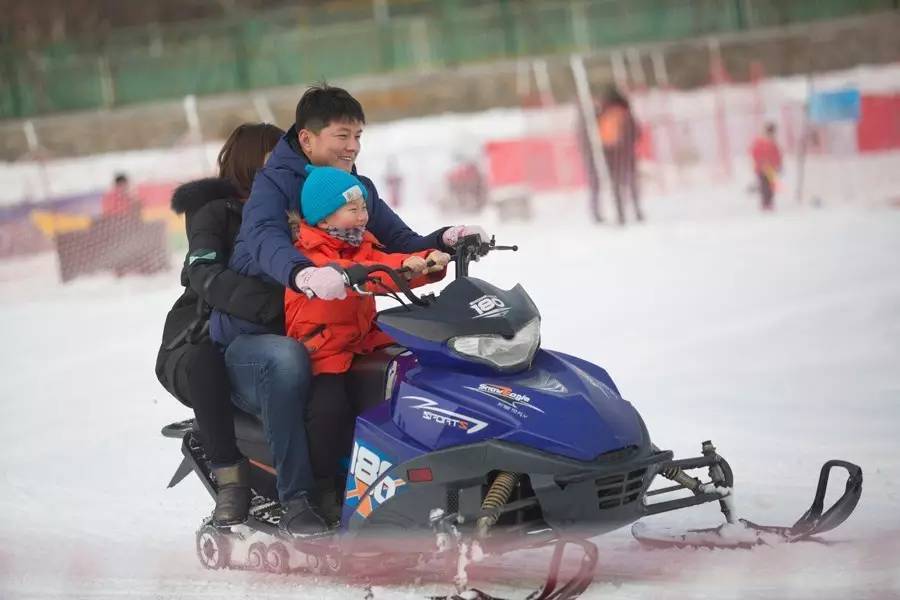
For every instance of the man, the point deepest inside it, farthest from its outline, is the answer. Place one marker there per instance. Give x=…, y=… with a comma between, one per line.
x=270, y=373
x=619, y=133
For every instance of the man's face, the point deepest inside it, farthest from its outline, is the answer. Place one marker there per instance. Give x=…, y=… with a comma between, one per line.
x=337, y=145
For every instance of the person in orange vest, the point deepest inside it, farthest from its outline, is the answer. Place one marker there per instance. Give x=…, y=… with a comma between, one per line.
x=332, y=233
x=767, y=165
x=120, y=199
x=619, y=134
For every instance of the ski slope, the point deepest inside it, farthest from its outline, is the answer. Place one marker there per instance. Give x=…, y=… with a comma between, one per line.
x=775, y=335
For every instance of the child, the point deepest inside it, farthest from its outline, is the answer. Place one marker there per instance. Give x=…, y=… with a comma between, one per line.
x=333, y=232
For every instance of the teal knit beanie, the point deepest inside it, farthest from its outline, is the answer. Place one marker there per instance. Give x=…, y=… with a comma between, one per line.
x=325, y=190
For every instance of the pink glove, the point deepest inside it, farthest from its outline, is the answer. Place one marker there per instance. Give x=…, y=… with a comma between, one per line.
x=453, y=234
x=326, y=283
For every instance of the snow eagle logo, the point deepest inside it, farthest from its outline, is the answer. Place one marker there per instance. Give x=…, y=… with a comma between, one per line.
x=505, y=395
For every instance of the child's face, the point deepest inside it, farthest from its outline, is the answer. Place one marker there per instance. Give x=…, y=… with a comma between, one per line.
x=352, y=214
x=336, y=145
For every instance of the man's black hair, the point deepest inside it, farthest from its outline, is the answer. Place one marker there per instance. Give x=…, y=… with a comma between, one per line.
x=322, y=104
x=121, y=178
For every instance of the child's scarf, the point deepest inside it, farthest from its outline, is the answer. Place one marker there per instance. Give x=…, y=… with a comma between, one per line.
x=352, y=236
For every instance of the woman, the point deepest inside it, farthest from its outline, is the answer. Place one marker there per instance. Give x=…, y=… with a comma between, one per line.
x=189, y=365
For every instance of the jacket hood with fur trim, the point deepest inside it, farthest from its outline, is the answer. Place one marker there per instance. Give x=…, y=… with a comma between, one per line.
x=191, y=196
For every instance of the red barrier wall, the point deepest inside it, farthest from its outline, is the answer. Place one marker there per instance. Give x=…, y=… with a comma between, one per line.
x=879, y=124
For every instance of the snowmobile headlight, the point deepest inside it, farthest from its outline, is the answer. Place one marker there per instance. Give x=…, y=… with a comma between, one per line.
x=500, y=352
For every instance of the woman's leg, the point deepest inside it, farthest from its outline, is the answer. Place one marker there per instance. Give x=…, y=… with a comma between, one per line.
x=209, y=392
x=202, y=379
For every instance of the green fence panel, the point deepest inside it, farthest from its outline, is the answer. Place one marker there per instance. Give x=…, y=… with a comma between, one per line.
x=12, y=88
x=477, y=36
x=547, y=29
x=205, y=66
x=298, y=45
x=341, y=51
x=72, y=83
x=767, y=13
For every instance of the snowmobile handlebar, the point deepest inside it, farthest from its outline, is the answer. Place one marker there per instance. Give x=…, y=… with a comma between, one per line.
x=469, y=249
x=357, y=276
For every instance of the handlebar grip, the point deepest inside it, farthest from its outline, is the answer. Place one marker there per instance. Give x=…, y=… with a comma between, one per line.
x=428, y=265
x=355, y=275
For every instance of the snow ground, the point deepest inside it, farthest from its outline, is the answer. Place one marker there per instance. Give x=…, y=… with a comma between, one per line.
x=775, y=335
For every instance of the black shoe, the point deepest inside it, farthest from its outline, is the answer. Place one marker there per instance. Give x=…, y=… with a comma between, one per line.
x=328, y=501
x=233, y=499
x=301, y=519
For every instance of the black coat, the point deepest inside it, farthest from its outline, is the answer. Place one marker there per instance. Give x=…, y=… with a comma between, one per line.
x=212, y=218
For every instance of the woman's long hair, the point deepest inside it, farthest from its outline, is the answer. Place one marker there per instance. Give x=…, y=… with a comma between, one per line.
x=245, y=152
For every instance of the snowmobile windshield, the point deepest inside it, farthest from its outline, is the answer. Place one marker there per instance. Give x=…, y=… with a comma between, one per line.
x=476, y=321
x=468, y=306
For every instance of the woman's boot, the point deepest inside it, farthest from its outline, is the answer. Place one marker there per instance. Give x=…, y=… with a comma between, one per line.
x=233, y=499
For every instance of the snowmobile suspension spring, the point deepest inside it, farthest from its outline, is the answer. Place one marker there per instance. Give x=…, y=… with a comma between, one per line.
x=680, y=477
x=501, y=489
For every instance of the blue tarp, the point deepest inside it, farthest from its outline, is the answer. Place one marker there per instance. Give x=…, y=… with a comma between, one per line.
x=841, y=105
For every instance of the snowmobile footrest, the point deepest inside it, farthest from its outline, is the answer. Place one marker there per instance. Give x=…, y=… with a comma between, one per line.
x=183, y=470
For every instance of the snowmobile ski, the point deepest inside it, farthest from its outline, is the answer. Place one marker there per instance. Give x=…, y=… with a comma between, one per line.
x=746, y=534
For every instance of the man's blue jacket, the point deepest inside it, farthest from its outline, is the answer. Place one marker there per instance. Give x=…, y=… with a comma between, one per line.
x=264, y=247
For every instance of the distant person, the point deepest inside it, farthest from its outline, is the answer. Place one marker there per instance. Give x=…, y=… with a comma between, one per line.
x=619, y=134
x=120, y=199
x=767, y=165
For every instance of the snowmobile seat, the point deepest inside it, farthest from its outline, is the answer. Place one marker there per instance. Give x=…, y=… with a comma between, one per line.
x=367, y=378
x=251, y=438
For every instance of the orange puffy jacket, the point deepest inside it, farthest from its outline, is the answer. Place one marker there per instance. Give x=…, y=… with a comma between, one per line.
x=335, y=330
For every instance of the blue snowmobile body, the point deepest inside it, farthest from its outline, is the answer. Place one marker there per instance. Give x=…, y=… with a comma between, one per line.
x=451, y=421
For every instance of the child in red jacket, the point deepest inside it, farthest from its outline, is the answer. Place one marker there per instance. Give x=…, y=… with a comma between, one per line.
x=333, y=232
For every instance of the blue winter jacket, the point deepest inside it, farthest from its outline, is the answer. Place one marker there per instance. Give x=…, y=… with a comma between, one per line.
x=264, y=248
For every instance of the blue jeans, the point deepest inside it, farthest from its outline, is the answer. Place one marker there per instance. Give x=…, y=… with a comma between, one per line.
x=270, y=378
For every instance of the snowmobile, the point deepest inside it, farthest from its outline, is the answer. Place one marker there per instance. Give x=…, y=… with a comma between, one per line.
x=475, y=440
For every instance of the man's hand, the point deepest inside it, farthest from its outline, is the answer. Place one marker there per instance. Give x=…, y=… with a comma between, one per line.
x=452, y=235
x=326, y=283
